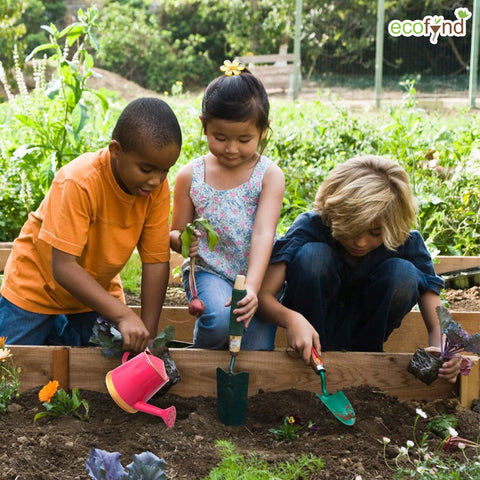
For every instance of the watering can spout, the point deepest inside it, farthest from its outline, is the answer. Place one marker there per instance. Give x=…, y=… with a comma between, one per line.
x=168, y=415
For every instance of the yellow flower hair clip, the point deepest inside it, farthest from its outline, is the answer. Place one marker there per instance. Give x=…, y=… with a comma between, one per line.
x=232, y=68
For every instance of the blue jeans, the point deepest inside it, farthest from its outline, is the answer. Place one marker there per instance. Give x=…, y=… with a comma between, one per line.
x=211, y=328
x=352, y=308
x=22, y=327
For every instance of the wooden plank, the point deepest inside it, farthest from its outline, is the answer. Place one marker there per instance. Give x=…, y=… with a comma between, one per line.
x=268, y=371
x=36, y=363
x=453, y=263
x=272, y=58
x=412, y=334
x=60, y=366
x=470, y=390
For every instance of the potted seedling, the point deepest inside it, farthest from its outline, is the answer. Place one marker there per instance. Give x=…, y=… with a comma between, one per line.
x=196, y=306
x=424, y=365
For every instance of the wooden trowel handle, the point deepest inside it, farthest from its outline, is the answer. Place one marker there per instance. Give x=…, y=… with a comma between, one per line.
x=316, y=361
x=236, y=328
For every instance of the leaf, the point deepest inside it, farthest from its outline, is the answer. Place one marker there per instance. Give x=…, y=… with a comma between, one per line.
x=163, y=338
x=147, y=466
x=444, y=317
x=186, y=239
x=103, y=465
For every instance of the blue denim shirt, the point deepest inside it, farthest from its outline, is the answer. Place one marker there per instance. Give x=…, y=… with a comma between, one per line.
x=308, y=227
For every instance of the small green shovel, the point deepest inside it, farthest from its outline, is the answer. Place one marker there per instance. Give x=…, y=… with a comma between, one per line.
x=337, y=403
x=232, y=389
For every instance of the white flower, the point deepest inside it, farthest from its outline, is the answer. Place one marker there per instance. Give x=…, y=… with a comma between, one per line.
x=461, y=445
x=386, y=440
x=403, y=451
x=4, y=353
x=452, y=432
x=421, y=469
x=410, y=444
x=420, y=412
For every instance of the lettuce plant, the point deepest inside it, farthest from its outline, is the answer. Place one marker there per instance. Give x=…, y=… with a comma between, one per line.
x=103, y=465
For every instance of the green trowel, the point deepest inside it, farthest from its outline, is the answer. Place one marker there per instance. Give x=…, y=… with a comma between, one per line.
x=337, y=403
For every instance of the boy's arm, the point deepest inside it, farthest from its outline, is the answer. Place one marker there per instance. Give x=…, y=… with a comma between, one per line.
x=154, y=287
x=427, y=303
x=300, y=333
x=80, y=284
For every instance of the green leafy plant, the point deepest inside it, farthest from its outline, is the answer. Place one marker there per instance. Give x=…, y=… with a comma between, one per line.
x=234, y=466
x=9, y=377
x=106, y=335
x=196, y=306
x=103, y=465
x=58, y=402
x=289, y=430
x=417, y=460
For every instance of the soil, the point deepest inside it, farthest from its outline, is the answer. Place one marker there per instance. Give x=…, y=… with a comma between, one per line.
x=57, y=448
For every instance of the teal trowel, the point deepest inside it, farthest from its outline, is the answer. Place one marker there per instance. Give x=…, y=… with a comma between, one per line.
x=337, y=403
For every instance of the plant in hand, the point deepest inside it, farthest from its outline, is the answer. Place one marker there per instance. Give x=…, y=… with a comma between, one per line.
x=457, y=340
x=103, y=465
x=424, y=365
x=9, y=376
x=196, y=306
x=58, y=402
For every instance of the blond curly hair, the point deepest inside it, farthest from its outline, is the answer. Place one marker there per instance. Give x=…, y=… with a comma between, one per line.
x=363, y=191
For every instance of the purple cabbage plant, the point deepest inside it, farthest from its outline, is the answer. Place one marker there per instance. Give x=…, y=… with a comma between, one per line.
x=103, y=465
x=456, y=340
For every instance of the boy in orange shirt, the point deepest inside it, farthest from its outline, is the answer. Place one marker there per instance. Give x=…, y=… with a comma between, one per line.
x=63, y=271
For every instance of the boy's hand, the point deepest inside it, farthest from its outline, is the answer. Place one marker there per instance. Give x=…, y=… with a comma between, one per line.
x=450, y=369
x=301, y=335
x=135, y=335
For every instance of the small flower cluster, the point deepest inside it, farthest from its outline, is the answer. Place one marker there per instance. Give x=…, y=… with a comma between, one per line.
x=456, y=340
x=9, y=376
x=415, y=460
x=58, y=402
x=290, y=427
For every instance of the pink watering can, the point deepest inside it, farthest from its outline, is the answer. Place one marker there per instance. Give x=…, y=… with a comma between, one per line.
x=135, y=381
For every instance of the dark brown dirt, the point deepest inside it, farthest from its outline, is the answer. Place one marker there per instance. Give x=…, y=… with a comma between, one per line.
x=57, y=448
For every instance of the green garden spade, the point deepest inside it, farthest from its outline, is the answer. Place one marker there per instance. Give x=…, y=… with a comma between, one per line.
x=232, y=389
x=337, y=403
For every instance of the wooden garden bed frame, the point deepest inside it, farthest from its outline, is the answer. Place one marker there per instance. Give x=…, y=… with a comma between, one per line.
x=85, y=368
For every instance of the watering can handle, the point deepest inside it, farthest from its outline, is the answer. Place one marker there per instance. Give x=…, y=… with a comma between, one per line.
x=126, y=354
x=316, y=361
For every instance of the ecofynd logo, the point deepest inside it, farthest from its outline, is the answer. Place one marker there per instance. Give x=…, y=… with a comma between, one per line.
x=431, y=26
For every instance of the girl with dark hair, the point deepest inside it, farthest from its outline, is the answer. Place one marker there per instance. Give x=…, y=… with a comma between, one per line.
x=240, y=192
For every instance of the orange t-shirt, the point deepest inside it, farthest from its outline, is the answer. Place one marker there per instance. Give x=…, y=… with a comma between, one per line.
x=86, y=214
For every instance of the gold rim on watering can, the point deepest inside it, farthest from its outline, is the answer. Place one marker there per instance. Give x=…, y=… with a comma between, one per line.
x=116, y=397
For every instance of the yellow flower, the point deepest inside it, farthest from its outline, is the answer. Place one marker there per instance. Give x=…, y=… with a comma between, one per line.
x=2, y=341
x=232, y=68
x=291, y=420
x=4, y=353
x=48, y=391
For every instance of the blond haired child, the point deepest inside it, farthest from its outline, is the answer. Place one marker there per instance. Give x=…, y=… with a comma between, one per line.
x=352, y=268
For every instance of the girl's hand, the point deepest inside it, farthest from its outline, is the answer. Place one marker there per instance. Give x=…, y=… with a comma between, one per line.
x=450, y=368
x=193, y=252
x=245, y=308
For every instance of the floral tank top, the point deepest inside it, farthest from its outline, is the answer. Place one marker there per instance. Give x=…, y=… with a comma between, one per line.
x=232, y=214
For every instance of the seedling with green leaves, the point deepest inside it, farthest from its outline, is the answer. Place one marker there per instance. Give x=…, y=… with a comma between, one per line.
x=196, y=306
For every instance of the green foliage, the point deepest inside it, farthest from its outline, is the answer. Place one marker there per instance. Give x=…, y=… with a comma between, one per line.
x=131, y=274
x=288, y=430
x=64, y=404
x=9, y=377
x=234, y=466
x=43, y=129
x=188, y=233
x=418, y=460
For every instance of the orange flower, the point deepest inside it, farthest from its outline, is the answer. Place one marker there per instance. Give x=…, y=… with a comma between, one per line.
x=48, y=391
x=2, y=341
